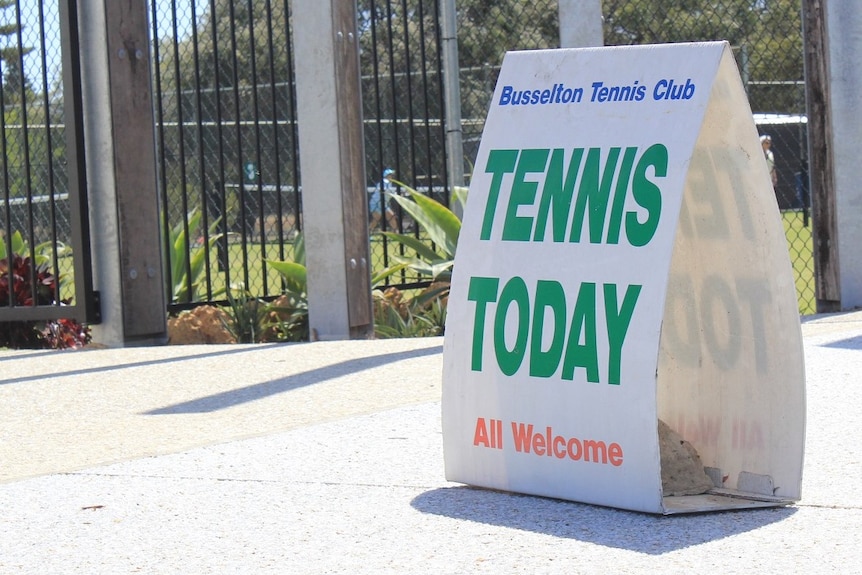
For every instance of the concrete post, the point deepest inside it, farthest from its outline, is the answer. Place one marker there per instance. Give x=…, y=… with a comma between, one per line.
x=332, y=161
x=104, y=231
x=452, y=96
x=844, y=39
x=120, y=158
x=581, y=23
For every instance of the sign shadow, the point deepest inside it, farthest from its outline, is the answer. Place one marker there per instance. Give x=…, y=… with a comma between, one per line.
x=605, y=526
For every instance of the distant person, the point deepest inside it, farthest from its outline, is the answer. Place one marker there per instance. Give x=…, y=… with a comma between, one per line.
x=766, y=144
x=378, y=202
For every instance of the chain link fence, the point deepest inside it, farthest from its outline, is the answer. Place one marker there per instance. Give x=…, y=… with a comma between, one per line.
x=227, y=135
x=766, y=37
x=32, y=123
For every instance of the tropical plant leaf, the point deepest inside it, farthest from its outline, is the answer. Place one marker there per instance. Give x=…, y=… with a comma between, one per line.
x=294, y=274
x=293, y=322
x=16, y=247
x=459, y=193
x=432, y=295
x=439, y=222
x=299, y=249
x=380, y=276
x=19, y=246
x=421, y=248
x=178, y=264
x=438, y=270
x=183, y=257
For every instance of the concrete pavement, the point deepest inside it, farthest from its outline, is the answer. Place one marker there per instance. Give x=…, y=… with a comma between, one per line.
x=326, y=458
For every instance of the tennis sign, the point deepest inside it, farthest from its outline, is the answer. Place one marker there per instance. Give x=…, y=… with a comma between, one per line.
x=621, y=261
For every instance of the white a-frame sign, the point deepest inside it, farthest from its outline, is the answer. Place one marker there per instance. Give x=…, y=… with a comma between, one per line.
x=622, y=262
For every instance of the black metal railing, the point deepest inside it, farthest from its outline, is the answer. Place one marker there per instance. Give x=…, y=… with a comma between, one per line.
x=227, y=133
x=227, y=117
x=402, y=87
x=227, y=144
x=45, y=270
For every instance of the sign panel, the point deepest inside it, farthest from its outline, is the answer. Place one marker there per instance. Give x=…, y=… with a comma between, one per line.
x=566, y=254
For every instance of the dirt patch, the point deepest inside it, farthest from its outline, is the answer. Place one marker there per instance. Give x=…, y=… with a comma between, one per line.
x=202, y=324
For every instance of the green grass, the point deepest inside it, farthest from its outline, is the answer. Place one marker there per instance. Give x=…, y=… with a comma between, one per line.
x=254, y=254
x=800, y=245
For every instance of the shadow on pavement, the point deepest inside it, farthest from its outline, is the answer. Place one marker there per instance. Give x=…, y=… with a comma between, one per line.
x=854, y=342
x=639, y=532
x=257, y=391
x=121, y=365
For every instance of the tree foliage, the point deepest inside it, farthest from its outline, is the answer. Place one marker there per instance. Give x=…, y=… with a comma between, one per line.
x=231, y=46
x=766, y=36
x=11, y=51
x=238, y=55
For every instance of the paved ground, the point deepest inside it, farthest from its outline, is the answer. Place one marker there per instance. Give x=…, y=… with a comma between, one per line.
x=326, y=458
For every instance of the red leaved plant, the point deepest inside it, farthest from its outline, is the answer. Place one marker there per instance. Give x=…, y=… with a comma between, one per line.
x=16, y=289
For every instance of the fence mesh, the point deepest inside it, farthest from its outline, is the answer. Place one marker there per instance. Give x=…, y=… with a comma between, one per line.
x=403, y=109
x=226, y=124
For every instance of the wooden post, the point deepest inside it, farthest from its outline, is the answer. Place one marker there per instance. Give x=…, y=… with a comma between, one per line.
x=822, y=162
x=140, y=259
x=334, y=189
x=351, y=143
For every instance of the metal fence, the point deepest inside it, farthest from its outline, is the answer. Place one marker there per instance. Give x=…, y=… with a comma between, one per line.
x=766, y=37
x=44, y=265
x=31, y=130
x=226, y=114
x=227, y=144
x=227, y=133
x=403, y=108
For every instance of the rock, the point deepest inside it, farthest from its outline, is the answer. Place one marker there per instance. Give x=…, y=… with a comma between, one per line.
x=682, y=470
x=203, y=324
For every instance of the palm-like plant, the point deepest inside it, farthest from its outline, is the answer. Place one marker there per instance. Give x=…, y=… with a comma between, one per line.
x=187, y=262
x=441, y=226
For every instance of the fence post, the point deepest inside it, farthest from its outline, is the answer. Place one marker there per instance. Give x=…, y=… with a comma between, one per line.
x=332, y=162
x=827, y=276
x=452, y=92
x=581, y=23
x=120, y=151
x=86, y=296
